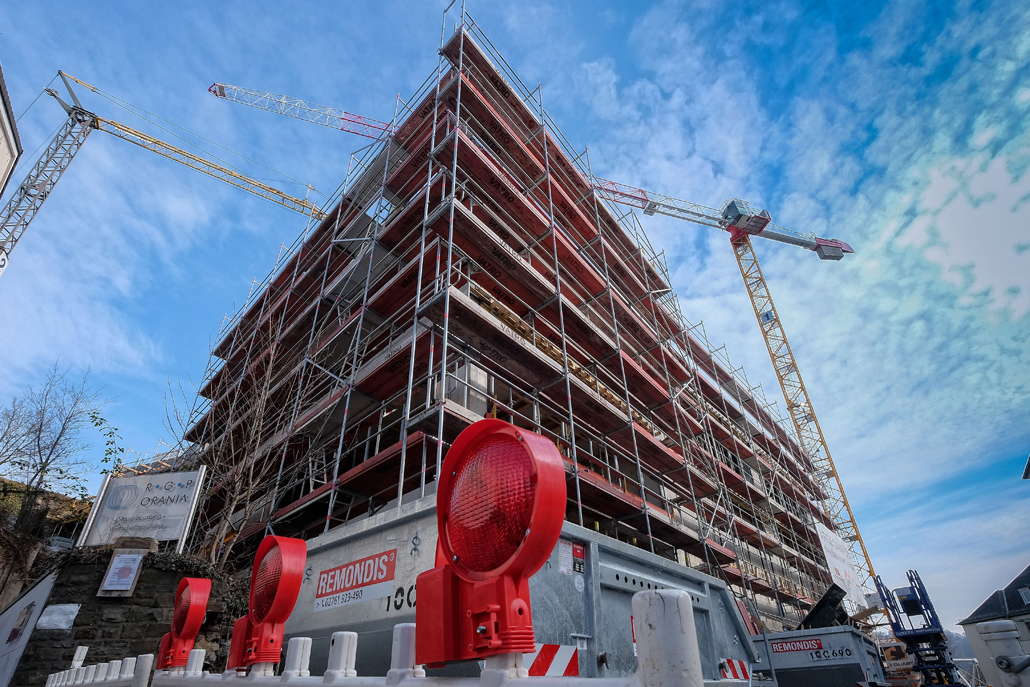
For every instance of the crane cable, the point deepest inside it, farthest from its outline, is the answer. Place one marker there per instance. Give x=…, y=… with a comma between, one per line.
x=25, y=111
x=136, y=110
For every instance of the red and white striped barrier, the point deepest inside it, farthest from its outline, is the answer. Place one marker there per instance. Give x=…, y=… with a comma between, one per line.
x=732, y=669
x=552, y=660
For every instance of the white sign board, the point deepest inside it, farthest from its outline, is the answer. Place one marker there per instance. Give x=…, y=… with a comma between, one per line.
x=58, y=617
x=158, y=506
x=838, y=558
x=16, y=625
x=122, y=573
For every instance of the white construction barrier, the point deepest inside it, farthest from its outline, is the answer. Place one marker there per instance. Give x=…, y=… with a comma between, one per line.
x=129, y=672
x=668, y=656
x=1002, y=640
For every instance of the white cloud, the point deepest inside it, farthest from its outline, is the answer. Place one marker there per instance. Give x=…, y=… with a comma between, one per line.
x=973, y=217
x=916, y=350
x=961, y=542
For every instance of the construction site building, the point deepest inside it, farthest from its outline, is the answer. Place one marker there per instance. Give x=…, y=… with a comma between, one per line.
x=466, y=270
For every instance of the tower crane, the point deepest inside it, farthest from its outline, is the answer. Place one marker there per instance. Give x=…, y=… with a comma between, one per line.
x=299, y=109
x=741, y=221
x=28, y=198
x=737, y=218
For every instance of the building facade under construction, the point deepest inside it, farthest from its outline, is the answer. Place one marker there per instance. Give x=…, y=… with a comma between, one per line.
x=468, y=270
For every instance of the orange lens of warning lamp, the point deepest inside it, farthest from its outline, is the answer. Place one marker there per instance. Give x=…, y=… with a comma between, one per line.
x=491, y=503
x=263, y=591
x=500, y=506
x=182, y=609
x=274, y=586
x=188, y=615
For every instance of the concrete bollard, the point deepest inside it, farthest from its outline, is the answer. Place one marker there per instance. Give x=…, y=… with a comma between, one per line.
x=298, y=655
x=102, y=669
x=667, y=650
x=142, y=670
x=402, y=657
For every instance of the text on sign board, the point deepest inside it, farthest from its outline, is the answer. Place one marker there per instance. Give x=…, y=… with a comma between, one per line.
x=360, y=573
x=797, y=645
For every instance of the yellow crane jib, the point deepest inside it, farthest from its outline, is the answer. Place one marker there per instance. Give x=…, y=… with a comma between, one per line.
x=217, y=171
x=29, y=196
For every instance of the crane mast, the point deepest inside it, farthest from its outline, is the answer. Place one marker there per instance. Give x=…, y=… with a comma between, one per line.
x=799, y=405
x=742, y=222
x=28, y=199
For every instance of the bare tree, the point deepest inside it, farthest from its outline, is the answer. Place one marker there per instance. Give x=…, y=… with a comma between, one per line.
x=43, y=450
x=235, y=438
x=41, y=434
x=14, y=432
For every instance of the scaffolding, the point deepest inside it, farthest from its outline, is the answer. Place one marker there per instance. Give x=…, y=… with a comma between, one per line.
x=466, y=269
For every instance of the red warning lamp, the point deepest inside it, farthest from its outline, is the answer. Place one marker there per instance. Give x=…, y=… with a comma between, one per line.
x=190, y=607
x=274, y=585
x=499, y=510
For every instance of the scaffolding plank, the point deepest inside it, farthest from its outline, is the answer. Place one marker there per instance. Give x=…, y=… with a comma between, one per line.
x=507, y=142
x=415, y=124
x=642, y=385
x=632, y=323
x=386, y=372
x=591, y=407
x=497, y=345
x=654, y=453
x=617, y=265
x=400, y=288
x=602, y=496
x=718, y=430
x=456, y=418
x=670, y=530
x=407, y=219
x=511, y=272
x=594, y=344
x=405, y=180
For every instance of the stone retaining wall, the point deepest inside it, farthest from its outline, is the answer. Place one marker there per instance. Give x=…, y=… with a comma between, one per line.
x=113, y=627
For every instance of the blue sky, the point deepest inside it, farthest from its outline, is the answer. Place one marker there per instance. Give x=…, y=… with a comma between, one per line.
x=902, y=128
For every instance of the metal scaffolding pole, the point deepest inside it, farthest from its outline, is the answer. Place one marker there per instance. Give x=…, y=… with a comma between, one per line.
x=406, y=418
x=561, y=320
x=445, y=337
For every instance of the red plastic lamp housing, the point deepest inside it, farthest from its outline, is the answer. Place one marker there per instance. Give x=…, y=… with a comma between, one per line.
x=275, y=583
x=499, y=510
x=190, y=607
